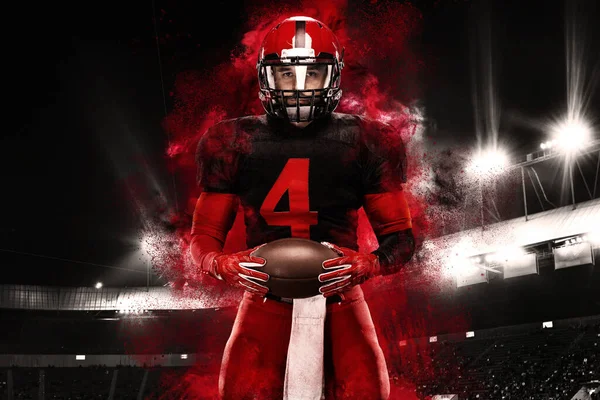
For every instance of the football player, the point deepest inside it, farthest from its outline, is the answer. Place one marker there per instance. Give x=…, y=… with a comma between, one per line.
x=302, y=170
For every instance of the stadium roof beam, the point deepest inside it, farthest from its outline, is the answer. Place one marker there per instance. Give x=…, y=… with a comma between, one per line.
x=550, y=153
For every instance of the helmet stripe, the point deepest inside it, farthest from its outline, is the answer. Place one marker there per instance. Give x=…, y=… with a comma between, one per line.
x=300, y=34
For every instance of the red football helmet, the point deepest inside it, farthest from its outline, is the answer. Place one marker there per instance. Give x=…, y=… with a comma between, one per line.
x=299, y=70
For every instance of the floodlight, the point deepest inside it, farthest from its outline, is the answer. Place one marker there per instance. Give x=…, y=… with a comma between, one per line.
x=488, y=162
x=571, y=134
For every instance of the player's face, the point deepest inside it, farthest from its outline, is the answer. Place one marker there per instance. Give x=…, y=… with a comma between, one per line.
x=304, y=79
x=286, y=79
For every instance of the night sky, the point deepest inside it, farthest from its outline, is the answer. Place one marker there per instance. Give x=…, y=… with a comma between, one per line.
x=87, y=91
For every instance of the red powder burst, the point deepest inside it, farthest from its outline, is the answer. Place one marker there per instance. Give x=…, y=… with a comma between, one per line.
x=379, y=81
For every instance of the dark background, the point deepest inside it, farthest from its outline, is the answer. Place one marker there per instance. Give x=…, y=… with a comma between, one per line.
x=87, y=87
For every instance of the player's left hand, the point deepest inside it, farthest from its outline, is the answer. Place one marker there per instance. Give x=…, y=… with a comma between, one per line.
x=351, y=268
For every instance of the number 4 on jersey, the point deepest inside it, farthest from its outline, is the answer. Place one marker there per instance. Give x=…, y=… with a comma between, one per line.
x=294, y=179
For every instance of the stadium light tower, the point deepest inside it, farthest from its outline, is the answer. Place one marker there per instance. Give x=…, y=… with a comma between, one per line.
x=570, y=136
x=145, y=249
x=487, y=165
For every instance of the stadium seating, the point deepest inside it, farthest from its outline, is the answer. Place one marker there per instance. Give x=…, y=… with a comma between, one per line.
x=549, y=364
x=545, y=364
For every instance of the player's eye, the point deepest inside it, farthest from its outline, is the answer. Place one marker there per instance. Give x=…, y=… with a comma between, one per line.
x=287, y=74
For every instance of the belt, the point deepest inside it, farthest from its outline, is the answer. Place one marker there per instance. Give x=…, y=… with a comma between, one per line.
x=330, y=300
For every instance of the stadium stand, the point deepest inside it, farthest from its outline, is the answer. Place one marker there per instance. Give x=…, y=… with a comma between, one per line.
x=545, y=364
x=523, y=362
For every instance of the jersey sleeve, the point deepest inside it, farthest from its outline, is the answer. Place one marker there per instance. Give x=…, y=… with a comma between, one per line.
x=383, y=158
x=217, y=159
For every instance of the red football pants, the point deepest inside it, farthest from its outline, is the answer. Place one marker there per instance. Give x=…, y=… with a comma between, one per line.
x=254, y=360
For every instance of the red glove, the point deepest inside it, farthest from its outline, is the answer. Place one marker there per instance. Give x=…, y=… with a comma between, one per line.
x=351, y=268
x=240, y=269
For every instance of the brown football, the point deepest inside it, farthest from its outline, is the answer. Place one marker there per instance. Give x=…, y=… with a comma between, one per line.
x=294, y=265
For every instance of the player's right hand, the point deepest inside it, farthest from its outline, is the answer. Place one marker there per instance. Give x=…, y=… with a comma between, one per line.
x=241, y=270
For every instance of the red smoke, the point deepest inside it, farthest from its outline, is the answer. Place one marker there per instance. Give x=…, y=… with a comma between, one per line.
x=380, y=80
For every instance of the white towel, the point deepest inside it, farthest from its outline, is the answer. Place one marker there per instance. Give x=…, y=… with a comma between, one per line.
x=304, y=369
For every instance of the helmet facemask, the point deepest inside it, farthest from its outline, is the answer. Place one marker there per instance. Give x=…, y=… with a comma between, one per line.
x=299, y=88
